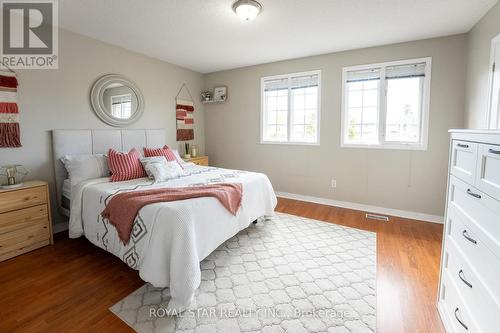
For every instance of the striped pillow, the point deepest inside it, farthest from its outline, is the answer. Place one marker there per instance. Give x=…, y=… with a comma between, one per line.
x=125, y=166
x=165, y=151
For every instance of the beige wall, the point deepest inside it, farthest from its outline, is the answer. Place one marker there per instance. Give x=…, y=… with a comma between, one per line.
x=59, y=99
x=406, y=180
x=478, y=71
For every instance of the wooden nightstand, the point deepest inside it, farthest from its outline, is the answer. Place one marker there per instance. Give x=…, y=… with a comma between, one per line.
x=199, y=160
x=25, y=221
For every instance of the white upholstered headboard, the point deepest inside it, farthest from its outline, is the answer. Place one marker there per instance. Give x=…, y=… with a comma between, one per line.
x=97, y=141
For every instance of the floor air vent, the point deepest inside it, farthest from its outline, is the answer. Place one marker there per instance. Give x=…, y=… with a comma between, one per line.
x=377, y=217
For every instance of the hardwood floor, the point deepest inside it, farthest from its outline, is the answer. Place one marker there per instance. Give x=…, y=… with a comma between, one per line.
x=408, y=257
x=68, y=287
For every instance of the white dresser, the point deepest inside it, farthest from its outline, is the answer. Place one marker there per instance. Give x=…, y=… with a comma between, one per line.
x=469, y=287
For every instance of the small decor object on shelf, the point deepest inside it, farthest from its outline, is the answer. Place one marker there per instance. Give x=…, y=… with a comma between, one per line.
x=193, y=151
x=14, y=175
x=220, y=94
x=187, y=155
x=206, y=96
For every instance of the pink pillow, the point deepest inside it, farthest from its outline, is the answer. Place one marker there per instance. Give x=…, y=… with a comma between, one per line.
x=125, y=166
x=165, y=151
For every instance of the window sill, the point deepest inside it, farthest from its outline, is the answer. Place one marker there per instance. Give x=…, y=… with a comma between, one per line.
x=287, y=143
x=422, y=147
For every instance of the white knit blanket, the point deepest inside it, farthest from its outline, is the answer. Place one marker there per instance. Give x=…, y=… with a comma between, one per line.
x=170, y=239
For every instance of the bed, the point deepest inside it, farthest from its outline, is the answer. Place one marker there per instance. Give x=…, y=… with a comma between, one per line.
x=168, y=239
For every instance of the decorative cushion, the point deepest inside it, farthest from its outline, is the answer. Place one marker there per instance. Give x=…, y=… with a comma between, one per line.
x=125, y=166
x=178, y=157
x=159, y=169
x=165, y=151
x=85, y=166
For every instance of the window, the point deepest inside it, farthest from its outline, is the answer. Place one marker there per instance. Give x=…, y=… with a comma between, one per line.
x=290, y=108
x=386, y=105
x=121, y=106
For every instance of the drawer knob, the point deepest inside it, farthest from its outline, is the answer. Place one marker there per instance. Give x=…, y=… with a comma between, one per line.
x=461, y=145
x=493, y=151
x=457, y=312
x=462, y=277
x=475, y=195
x=469, y=238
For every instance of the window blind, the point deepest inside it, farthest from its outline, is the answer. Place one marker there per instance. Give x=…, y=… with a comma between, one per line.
x=405, y=71
x=301, y=82
x=277, y=84
x=363, y=75
x=121, y=99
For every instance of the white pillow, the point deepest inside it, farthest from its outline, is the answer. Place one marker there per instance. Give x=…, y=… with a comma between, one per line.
x=178, y=157
x=83, y=167
x=159, y=169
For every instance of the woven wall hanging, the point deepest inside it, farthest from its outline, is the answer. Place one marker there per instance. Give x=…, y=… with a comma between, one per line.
x=184, y=114
x=9, y=111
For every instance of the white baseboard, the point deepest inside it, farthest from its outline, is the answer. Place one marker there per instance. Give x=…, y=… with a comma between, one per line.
x=365, y=208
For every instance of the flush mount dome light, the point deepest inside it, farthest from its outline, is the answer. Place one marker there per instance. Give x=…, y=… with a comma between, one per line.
x=247, y=9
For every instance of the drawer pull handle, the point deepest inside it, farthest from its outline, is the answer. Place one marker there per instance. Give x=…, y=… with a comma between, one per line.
x=493, y=151
x=460, y=145
x=475, y=195
x=457, y=311
x=461, y=276
x=466, y=235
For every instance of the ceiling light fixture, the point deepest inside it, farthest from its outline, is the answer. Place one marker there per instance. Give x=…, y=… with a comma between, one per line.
x=247, y=9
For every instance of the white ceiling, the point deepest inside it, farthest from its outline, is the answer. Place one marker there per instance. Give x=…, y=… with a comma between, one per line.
x=206, y=36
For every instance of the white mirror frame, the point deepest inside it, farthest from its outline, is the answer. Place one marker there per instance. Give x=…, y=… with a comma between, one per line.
x=96, y=99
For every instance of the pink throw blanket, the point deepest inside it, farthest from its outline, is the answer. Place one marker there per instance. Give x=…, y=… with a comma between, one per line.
x=122, y=209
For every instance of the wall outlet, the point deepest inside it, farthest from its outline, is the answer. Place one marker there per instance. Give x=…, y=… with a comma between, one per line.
x=333, y=184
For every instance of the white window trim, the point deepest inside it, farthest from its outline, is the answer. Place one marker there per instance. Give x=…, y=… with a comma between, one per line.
x=426, y=98
x=318, y=118
x=492, y=115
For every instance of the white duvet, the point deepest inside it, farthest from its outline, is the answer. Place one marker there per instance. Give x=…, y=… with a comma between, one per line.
x=170, y=239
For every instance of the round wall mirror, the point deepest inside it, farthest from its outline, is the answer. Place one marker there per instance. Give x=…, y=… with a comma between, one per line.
x=117, y=100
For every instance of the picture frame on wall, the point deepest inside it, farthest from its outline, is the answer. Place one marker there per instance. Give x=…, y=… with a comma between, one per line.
x=220, y=94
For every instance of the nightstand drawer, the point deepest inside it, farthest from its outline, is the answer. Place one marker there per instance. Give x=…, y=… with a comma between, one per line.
x=22, y=218
x=23, y=240
x=23, y=198
x=200, y=160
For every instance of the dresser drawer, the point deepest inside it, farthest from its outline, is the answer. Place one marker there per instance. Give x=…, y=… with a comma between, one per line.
x=488, y=170
x=464, y=160
x=23, y=198
x=480, y=300
x=457, y=315
x=19, y=219
x=23, y=240
x=479, y=257
x=481, y=212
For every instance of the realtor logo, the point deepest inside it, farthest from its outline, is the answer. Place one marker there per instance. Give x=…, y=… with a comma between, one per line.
x=29, y=34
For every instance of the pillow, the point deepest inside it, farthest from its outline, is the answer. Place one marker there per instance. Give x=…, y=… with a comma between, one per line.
x=85, y=166
x=165, y=151
x=159, y=169
x=125, y=166
x=178, y=157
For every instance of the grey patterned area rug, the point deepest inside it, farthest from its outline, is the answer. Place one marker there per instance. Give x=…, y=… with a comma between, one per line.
x=284, y=274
